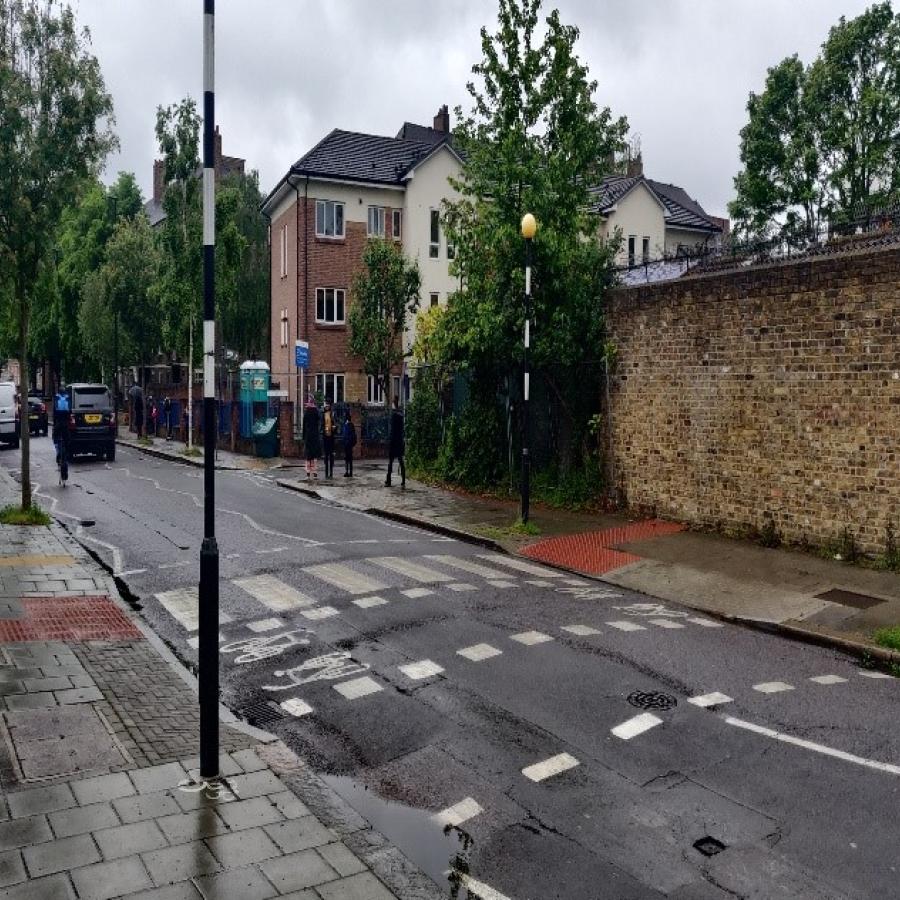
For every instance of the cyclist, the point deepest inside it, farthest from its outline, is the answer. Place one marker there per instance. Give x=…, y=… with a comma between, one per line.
x=61, y=433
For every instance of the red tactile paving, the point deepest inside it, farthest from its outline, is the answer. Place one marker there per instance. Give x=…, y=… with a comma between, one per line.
x=69, y=619
x=593, y=551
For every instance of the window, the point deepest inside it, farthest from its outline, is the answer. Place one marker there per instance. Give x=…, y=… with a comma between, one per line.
x=631, y=240
x=330, y=305
x=331, y=386
x=376, y=221
x=284, y=251
x=285, y=328
x=435, y=299
x=395, y=388
x=434, y=246
x=646, y=250
x=329, y=219
x=374, y=391
x=397, y=224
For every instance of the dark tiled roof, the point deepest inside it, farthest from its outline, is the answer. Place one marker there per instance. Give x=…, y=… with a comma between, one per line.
x=363, y=157
x=412, y=132
x=155, y=212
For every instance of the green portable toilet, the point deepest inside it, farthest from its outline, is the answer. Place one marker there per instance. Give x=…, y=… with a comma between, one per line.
x=255, y=380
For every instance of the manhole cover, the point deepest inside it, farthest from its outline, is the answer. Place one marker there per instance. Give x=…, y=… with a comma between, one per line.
x=709, y=846
x=850, y=598
x=261, y=713
x=652, y=700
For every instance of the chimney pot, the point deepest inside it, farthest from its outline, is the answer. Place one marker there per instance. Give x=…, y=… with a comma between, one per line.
x=442, y=120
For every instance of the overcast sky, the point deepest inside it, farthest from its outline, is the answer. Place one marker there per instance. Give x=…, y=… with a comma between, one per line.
x=288, y=71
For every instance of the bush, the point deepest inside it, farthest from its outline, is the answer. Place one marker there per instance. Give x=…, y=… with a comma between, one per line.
x=888, y=637
x=576, y=489
x=15, y=515
x=423, y=425
x=473, y=453
x=891, y=551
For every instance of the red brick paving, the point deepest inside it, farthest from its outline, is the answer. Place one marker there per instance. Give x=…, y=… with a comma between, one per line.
x=69, y=619
x=593, y=551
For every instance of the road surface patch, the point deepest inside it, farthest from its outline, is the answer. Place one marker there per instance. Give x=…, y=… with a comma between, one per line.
x=478, y=652
x=706, y=623
x=410, y=569
x=458, y=813
x=713, y=699
x=416, y=593
x=423, y=669
x=68, y=619
x=541, y=771
x=581, y=630
x=345, y=578
x=368, y=602
x=461, y=587
x=828, y=679
x=626, y=626
x=358, y=687
x=773, y=687
x=638, y=725
x=503, y=585
x=530, y=638
x=274, y=593
x=320, y=612
x=296, y=707
x=665, y=623
x=537, y=582
x=521, y=566
x=265, y=625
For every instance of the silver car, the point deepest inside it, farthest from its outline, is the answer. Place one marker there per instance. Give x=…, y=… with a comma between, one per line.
x=9, y=414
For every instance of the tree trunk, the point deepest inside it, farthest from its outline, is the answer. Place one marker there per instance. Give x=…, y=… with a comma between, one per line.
x=24, y=430
x=190, y=402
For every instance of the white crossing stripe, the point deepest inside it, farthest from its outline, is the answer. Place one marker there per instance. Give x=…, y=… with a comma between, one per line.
x=562, y=762
x=467, y=565
x=358, y=687
x=265, y=625
x=367, y=602
x=581, y=630
x=478, y=888
x=478, y=652
x=530, y=638
x=626, y=626
x=637, y=725
x=520, y=565
x=410, y=569
x=503, y=585
x=296, y=707
x=576, y=582
x=183, y=604
x=195, y=641
x=871, y=673
x=772, y=687
x=415, y=593
x=460, y=587
x=537, y=582
x=706, y=623
x=274, y=593
x=423, y=669
x=713, y=699
x=320, y=612
x=458, y=813
x=665, y=623
x=828, y=679
x=345, y=578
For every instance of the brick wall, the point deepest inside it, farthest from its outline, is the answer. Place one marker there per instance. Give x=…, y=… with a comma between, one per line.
x=772, y=392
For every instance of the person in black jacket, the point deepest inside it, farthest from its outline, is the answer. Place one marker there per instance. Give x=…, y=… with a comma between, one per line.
x=397, y=446
x=349, y=436
x=312, y=440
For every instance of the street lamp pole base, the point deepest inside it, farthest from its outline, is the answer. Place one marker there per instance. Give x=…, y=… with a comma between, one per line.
x=209, y=659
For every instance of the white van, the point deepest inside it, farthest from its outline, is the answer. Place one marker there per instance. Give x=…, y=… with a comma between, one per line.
x=9, y=417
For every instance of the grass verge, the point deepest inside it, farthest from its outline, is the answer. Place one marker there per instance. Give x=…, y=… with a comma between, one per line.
x=888, y=637
x=15, y=515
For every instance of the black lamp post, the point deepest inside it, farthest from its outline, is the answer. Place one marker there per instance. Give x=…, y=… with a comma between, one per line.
x=529, y=227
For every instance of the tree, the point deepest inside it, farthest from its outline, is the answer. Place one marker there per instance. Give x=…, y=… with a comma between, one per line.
x=55, y=117
x=383, y=294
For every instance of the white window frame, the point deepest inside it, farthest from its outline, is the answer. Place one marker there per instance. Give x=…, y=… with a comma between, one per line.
x=322, y=292
x=375, y=222
x=434, y=298
x=323, y=205
x=397, y=224
x=285, y=328
x=283, y=242
x=338, y=385
x=374, y=391
x=434, y=246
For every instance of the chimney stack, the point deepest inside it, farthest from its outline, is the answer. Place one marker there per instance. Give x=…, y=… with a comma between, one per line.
x=442, y=120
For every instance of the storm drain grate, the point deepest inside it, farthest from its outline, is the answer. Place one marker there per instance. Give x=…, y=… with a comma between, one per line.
x=708, y=846
x=850, y=598
x=652, y=700
x=262, y=712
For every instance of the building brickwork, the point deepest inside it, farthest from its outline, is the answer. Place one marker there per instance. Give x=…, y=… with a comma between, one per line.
x=766, y=394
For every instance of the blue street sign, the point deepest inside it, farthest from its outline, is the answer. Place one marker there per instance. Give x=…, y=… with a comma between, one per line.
x=301, y=354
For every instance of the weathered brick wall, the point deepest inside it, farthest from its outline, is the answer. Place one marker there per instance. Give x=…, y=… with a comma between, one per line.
x=772, y=392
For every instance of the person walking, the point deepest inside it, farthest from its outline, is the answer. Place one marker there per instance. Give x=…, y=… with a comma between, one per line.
x=167, y=416
x=397, y=445
x=349, y=438
x=329, y=433
x=152, y=417
x=61, y=433
x=137, y=406
x=311, y=438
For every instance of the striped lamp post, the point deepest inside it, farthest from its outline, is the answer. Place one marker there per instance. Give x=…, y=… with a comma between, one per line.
x=209, y=551
x=529, y=228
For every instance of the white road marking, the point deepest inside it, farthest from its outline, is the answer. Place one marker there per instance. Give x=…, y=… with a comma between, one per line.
x=271, y=550
x=257, y=527
x=576, y=582
x=415, y=593
x=423, y=669
x=562, y=762
x=810, y=745
x=458, y=813
x=478, y=888
x=296, y=707
x=345, y=578
x=626, y=626
x=118, y=560
x=665, y=623
x=274, y=593
x=265, y=625
x=128, y=572
x=177, y=565
x=537, y=582
x=467, y=565
x=478, y=652
x=828, y=679
x=713, y=699
x=706, y=623
x=503, y=585
x=522, y=566
x=581, y=630
x=410, y=569
x=638, y=725
x=183, y=604
x=870, y=673
x=772, y=687
x=368, y=602
x=358, y=687
x=530, y=638
x=461, y=587
x=320, y=612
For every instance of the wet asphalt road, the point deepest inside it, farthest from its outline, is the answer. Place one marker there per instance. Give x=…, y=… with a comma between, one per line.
x=797, y=784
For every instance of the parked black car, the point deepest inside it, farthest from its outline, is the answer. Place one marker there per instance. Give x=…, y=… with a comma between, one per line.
x=92, y=428
x=37, y=415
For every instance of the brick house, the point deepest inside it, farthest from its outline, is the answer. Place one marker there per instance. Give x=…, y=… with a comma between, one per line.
x=347, y=188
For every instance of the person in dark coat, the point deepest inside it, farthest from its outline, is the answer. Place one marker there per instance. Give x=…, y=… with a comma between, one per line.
x=137, y=405
x=312, y=443
x=329, y=435
x=397, y=446
x=349, y=437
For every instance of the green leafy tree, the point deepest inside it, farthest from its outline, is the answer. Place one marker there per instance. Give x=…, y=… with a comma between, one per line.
x=383, y=295
x=54, y=133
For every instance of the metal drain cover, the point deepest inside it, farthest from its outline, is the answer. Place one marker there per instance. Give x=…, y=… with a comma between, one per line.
x=263, y=712
x=850, y=598
x=652, y=700
x=708, y=846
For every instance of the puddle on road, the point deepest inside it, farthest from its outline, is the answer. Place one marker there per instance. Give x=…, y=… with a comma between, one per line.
x=412, y=830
